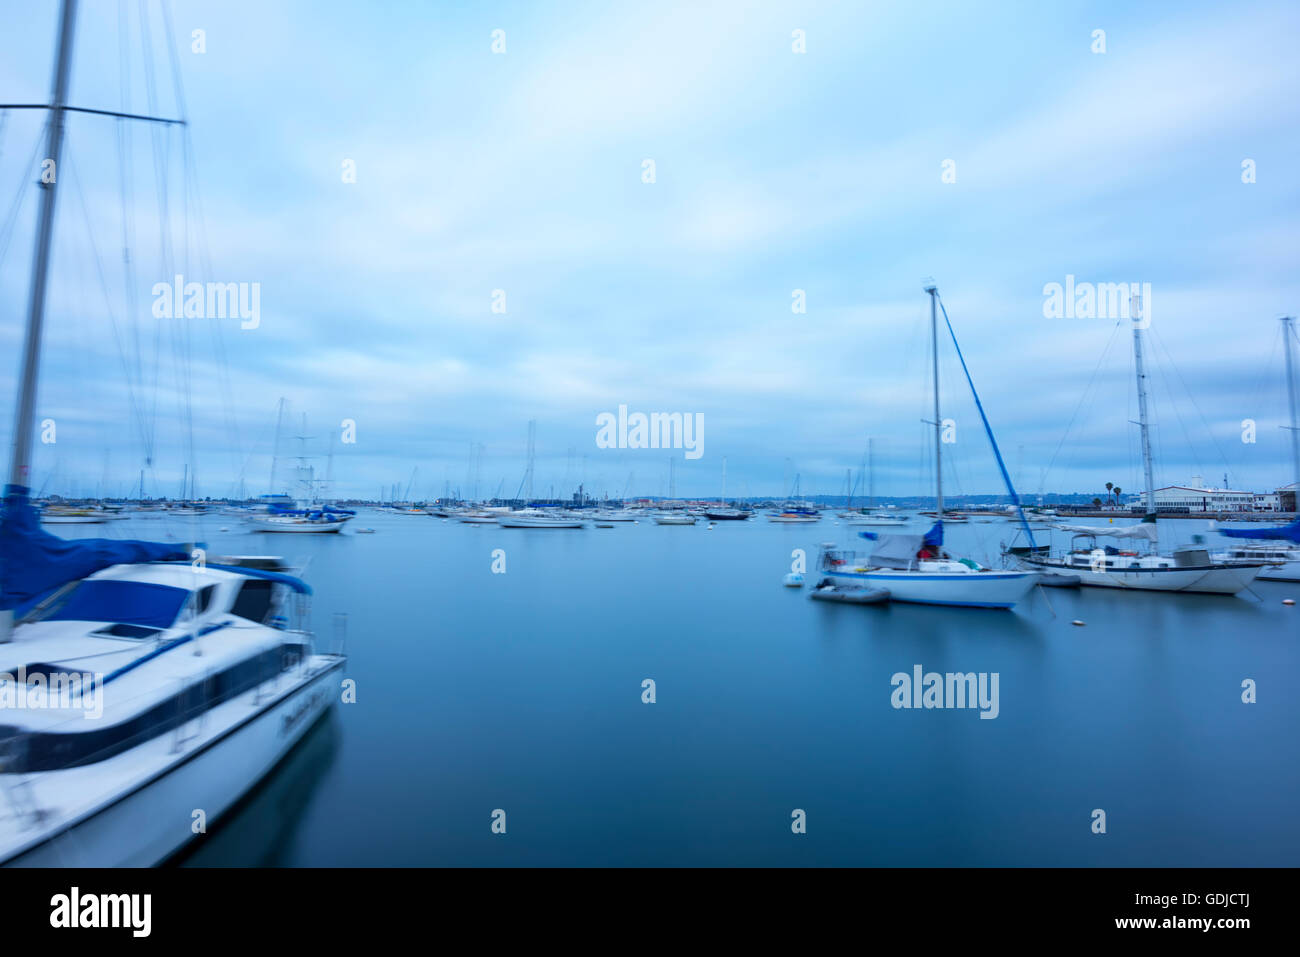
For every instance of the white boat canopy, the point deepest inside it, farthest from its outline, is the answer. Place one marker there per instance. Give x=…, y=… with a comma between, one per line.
x=1144, y=530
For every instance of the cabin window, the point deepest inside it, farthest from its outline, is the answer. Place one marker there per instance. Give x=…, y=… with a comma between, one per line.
x=204, y=599
x=126, y=602
x=254, y=600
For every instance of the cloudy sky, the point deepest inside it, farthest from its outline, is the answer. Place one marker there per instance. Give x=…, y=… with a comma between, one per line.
x=774, y=171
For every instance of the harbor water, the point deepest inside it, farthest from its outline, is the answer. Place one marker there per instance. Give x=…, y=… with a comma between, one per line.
x=513, y=681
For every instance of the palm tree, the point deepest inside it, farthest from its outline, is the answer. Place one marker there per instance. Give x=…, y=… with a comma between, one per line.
x=1096, y=503
x=1118, y=492
x=1110, y=486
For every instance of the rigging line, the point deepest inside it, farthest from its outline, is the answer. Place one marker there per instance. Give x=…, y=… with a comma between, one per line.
x=11, y=218
x=160, y=186
x=125, y=182
x=180, y=339
x=132, y=399
x=1191, y=398
x=190, y=187
x=1082, y=400
x=193, y=189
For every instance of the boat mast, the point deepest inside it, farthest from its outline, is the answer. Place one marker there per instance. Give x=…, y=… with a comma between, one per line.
x=25, y=417
x=1288, y=331
x=933, y=290
x=871, y=475
x=1135, y=313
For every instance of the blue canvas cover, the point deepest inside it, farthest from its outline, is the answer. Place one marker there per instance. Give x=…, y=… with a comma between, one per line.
x=1290, y=533
x=33, y=562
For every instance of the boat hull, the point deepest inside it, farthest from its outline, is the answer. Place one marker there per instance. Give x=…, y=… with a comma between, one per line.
x=1202, y=579
x=152, y=821
x=262, y=525
x=971, y=590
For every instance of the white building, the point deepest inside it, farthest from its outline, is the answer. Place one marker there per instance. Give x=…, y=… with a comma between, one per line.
x=1197, y=498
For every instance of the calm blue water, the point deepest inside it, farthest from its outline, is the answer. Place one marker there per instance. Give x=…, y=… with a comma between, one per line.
x=522, y=691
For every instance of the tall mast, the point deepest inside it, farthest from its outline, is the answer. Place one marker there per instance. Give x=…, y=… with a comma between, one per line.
x=933, y=290
x=1135, y=313
x=25, y=417
x=724, y=481
x=275, y=449
x=871, y=475
x=1288, y=332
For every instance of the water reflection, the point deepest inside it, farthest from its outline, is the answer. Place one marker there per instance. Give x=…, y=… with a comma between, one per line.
x=261, y=830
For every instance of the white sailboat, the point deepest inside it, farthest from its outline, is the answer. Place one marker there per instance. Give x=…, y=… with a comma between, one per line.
x=198, y=685
x=1187, y=569
x=916, y=567
x=539, y=518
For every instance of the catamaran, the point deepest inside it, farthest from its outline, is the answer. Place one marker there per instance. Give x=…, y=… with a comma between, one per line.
x=1186, y=569
x=916, y=567
x=198, y=684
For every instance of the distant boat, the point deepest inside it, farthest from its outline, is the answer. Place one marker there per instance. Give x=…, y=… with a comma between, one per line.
x=727, y=514
x=538, y=518
x=875, y=518
x=1283, y=560
x=61, y=515
x=298, y=520
x=477, y=518
x=674, y=518
x=614, y=515
x=794, y=517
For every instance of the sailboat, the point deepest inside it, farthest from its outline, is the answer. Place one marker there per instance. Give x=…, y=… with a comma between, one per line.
x=198, y=683
x=916, y=567
x=722, y=512
x=1187, y=569
x=871, y=515
x=306, y=514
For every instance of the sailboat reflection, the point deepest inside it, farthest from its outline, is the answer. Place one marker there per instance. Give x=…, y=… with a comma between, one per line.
x=260, y=831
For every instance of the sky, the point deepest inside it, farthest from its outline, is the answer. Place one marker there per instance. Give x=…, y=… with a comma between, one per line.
x=992, y=147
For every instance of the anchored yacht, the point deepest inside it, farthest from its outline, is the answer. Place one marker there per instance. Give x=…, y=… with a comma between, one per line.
x=143, y=692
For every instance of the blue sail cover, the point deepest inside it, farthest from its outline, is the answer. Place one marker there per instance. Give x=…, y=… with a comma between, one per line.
x=34, y=563
x=932, y=539
x=1290, y=533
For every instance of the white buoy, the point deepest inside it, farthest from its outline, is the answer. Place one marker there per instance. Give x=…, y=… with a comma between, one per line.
x=793, y=580
x=1077, y=621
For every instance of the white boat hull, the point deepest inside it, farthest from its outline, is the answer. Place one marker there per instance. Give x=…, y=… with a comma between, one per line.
x=985, y=589
x=1213, y=580
x=272, y=525
x=506, y=522
x=154, y=818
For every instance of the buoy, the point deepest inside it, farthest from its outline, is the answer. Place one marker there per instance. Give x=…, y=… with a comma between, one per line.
x=794, y=580
x=1077, y=621
x=1288, y=601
